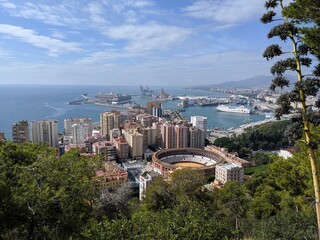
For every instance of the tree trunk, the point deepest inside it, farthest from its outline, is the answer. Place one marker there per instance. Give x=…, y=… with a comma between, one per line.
x=307, y=134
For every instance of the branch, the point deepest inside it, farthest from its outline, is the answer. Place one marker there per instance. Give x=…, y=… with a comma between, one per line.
x=279, y=81
x=283, y=65
x=316, y=71
x=271, y=4
x=272, y=51
x=268, y=17
x=283, y=31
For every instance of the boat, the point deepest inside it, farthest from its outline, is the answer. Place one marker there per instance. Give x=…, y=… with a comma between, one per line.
x=76, y=102
x=121, y=99
x=206, y=104
x=269, y=115
x=233, y=109
x=242, y=101
x=212, y=103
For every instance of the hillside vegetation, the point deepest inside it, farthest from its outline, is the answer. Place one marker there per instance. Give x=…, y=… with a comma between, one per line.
x=45, y=197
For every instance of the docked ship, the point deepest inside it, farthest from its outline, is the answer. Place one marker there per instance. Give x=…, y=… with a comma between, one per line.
x=233, y=109
x=121, y=99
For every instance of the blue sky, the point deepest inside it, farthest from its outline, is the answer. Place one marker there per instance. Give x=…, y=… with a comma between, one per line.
x=131, y=42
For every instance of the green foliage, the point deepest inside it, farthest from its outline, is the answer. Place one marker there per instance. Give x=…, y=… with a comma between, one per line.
x=165, y=194
x=45, y=197
x=226, y=142
x=307, y=11
x=256, y=169
x=269, y=136
x=260, y=158
x=285, y=225
x=51, y=197
x=268, y=17
x=158, y=195
x=232, y=205
x=285, y=185
x=285, y=195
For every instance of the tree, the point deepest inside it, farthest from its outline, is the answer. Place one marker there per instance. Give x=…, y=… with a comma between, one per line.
x=158, y=195
x=260, y=158
x=285, y=225
x=307, y=11
x=306, y=85
x=115, y=204
x=232, y=202
x=44, y=196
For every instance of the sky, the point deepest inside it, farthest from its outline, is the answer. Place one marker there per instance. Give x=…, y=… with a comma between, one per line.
x=131, y=42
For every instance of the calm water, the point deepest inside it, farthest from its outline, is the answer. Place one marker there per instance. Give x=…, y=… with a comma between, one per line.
x=52, y=102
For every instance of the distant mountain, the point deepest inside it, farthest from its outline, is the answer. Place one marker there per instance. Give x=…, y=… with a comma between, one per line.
x=253, y=82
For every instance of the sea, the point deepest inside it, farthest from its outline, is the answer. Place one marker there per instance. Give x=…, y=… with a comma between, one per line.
x=37, y=102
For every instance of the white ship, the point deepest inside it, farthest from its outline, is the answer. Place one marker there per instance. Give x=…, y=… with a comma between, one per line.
x=233, y=109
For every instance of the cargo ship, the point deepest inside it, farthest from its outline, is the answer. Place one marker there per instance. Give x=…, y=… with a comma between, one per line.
x=233, y=109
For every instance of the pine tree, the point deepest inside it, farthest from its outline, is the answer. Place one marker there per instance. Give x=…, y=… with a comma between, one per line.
x=289, y=31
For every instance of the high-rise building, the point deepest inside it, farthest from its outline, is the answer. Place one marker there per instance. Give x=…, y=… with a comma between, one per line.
x=114, y=133
x=109, y=121
x=20, y=132
x=69, y=122
x=157, y=111
x=45, y=131
x=80, y=131
x=151, y=105
x=182, y=136
x=200, y=122
x=196, y=138
x=168, y=136
x=146, y=120
x=149, y=136
x=122, y=148
x=135, y=142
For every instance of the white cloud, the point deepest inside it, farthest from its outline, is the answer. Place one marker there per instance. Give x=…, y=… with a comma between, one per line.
x=52, y=14
x=4, y=54
x=225, y=11
x=121, y=5
x=54, y=46
x=96, y=13
x=8, y=5
x=98, y=57
x=150, y=37
x=57, y=34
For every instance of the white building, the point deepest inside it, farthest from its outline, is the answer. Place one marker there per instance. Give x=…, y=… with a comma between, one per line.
x=146, y=179
x=285, y=153
x=200, y=122
x=80, y=131
x=69, y=122
x=229, y=172
x=45, y=131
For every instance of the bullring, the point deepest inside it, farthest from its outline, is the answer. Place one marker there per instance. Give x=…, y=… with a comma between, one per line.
x=168, y=160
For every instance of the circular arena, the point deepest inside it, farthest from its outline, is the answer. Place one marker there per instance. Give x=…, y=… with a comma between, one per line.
x=168, y=160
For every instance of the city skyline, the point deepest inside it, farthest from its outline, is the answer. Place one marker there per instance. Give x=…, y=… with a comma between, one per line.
x=127, y=42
